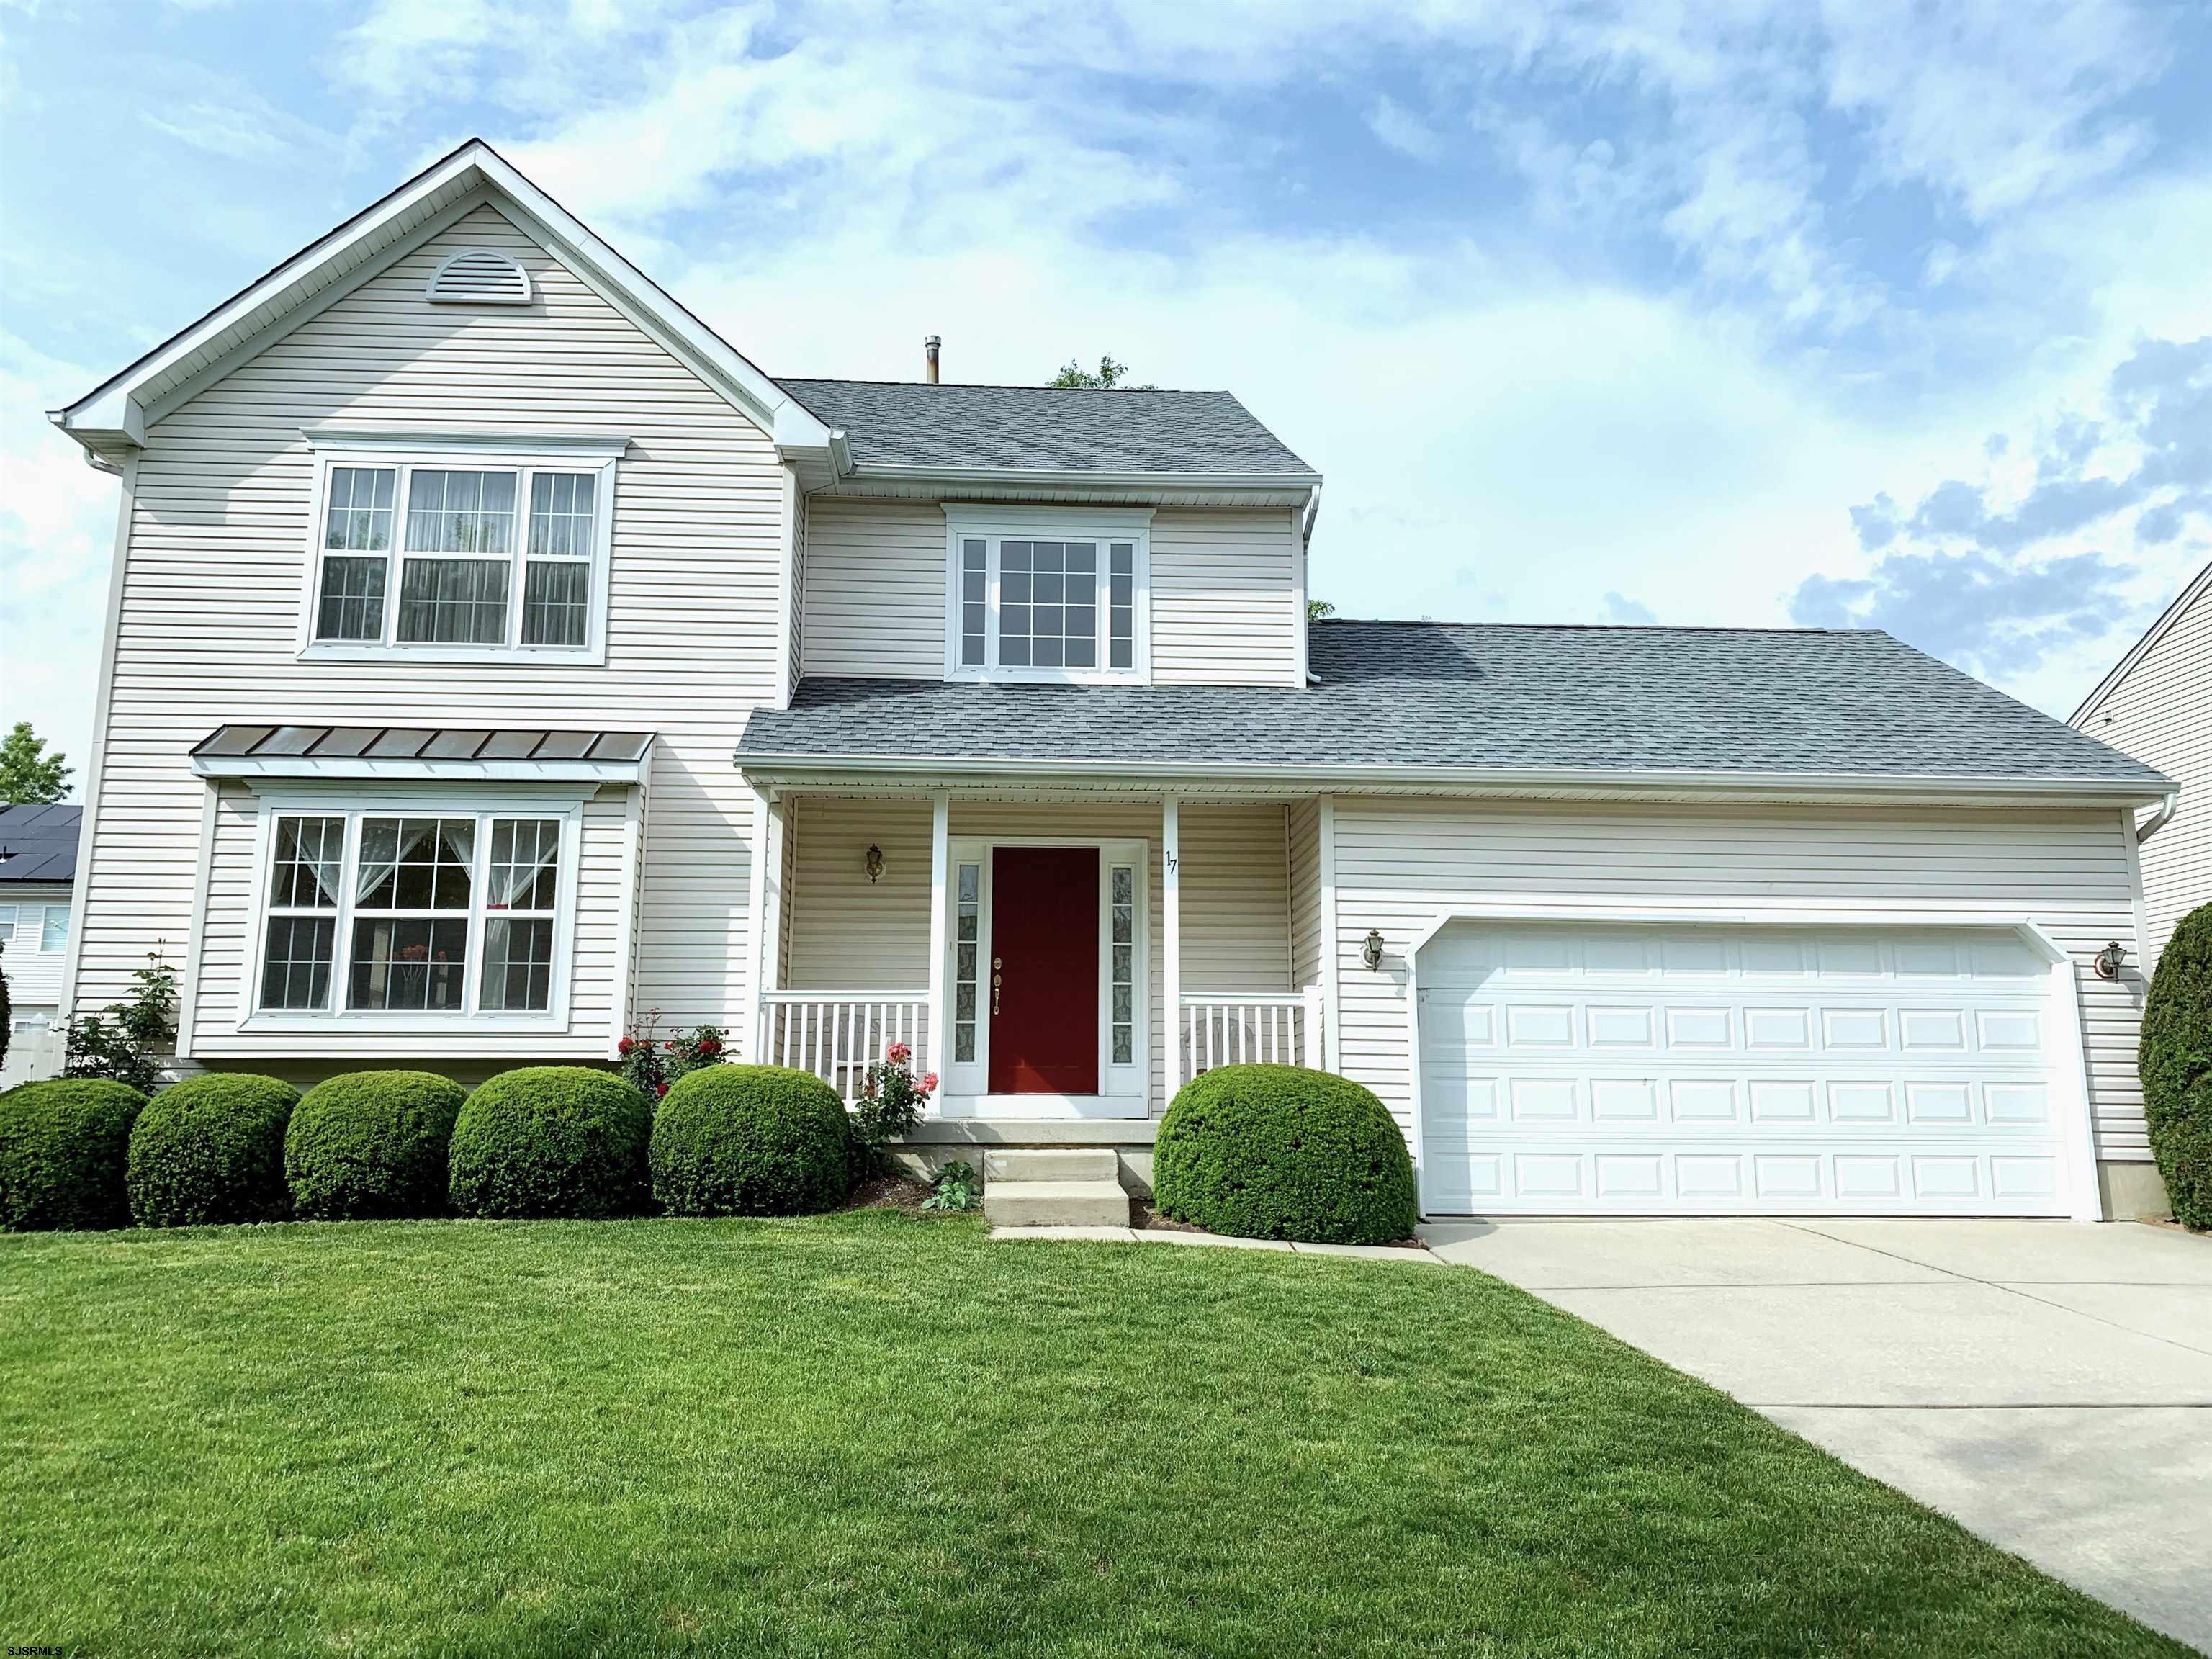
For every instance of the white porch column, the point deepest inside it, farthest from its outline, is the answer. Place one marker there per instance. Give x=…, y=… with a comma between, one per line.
x=765, y=902
x=1171, y=935
x=1332, y=1011
x=941, y=870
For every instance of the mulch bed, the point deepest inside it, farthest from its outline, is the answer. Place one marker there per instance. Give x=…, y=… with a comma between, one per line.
x=891, y=1192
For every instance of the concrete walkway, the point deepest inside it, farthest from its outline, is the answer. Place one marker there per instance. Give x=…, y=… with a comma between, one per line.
x=2049, y=1384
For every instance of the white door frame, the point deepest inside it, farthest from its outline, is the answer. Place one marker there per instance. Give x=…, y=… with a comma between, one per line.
x=1124, y=1091
x=2062, y=994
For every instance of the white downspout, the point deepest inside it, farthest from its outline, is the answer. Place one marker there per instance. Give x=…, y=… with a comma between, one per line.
x=2160, y=819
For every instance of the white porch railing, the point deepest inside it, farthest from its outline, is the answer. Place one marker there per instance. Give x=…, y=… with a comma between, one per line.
x=838, y=1034
x=1278, y=1028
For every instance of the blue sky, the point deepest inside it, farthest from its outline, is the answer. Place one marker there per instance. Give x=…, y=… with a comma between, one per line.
x=1863, y=314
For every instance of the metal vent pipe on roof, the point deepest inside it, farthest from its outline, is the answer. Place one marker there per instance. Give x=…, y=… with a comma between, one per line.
x=929, y=345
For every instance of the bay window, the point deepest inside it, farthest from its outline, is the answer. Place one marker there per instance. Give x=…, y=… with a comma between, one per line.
x=460, y=555
x=424, y=915
x=1061, y=595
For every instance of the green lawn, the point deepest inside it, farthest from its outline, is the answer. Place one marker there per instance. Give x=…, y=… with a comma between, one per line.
x=883, y=1433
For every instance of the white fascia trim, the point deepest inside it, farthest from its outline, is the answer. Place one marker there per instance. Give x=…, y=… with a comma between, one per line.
x=494, y=441
x=2157, y=631
x=113, y=404
x=296, y=769
x=1082, y=477
x=1046, y=515
x=1355, y=778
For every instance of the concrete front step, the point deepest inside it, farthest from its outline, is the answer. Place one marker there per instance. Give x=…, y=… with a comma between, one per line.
x=1052, y=1164
x=1055, y=1203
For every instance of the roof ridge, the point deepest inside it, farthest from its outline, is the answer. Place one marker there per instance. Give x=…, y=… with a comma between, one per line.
x=1001, y=385
x=1587, y=628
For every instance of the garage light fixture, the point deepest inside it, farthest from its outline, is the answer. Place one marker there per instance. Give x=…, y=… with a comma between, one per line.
x=2109, y=960
x=1371, y=952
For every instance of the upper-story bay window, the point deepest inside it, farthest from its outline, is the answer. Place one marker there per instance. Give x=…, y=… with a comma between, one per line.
x=1047, y=593
x=460, y=554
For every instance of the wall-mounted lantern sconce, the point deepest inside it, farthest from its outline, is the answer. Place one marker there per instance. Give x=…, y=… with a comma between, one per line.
x=2109, y=960
x=1371, y=952
x=874, y=863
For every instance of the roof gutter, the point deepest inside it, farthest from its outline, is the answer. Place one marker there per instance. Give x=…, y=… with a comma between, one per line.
x=1079, y=477
x=2160, y=819
x=2098, y=791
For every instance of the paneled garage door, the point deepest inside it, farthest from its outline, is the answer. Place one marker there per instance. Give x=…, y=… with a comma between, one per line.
x=1618, y=1069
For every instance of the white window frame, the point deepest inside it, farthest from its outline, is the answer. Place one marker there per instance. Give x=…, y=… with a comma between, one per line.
x=354, y=803
x=1049, y=524
x=46, y=916
x=405, y=456
x=9, y=917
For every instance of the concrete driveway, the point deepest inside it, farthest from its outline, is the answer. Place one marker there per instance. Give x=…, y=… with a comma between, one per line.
x=2047, y=1383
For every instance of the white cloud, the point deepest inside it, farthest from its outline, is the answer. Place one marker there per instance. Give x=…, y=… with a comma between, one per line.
x=57, y=541
x=1400, y=129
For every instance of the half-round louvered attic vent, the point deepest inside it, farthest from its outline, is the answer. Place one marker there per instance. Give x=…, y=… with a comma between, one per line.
x=479, y=277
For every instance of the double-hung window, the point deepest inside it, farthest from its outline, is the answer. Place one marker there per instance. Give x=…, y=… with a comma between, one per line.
x=1062, y=598
x=422, y=914
x=461, y=555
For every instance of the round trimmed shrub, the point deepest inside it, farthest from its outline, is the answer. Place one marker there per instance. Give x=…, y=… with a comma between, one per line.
x=368, y=1146
x=209, y=1149
x=2175, y=1059
x=751, y=1140
x=1277, y=1152
x=62, y=1147
x=552, y=1140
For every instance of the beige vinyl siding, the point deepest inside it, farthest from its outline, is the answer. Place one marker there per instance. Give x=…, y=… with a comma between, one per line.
x=1224, y=587
x=35, y=976
x=224, y=996
x=1226, y=597
x=1402, y=863
x=1305, y=857
x=2160, y=712
x=213, y=583
x=1236, y=897
x=848, y=934
x=875, y=589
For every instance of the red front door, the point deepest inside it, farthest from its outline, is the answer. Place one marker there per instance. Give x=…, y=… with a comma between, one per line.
x=1044, y=968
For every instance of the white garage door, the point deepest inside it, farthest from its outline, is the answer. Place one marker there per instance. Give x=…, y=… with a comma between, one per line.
x=1591, y=1068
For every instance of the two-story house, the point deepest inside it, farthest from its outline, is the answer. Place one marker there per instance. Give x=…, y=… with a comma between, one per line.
x=498, y=657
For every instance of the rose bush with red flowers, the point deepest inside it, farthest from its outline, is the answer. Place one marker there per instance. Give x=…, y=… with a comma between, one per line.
x=656, y=1064
x=892, y=1100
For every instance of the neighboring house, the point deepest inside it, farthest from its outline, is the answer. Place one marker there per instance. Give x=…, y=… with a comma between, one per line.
x=499, y=659
x=2156, y=705
x=37, y=872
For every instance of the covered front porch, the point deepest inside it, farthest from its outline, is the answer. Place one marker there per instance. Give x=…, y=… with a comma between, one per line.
x=1057, y=961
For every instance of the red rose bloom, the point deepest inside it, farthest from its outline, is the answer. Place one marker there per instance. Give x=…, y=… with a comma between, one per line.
x=899, y=1053
x=710, y=1046
x=625, y=1046
x=929, y=1083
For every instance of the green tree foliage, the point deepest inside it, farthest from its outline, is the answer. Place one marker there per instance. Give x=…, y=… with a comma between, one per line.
x=28, y=776
x=126, y=1043
x=1107, y=377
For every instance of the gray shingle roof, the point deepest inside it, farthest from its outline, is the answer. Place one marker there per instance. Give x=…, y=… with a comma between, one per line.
x=1426, y=695
x=1053, y=429
x=40, y=842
